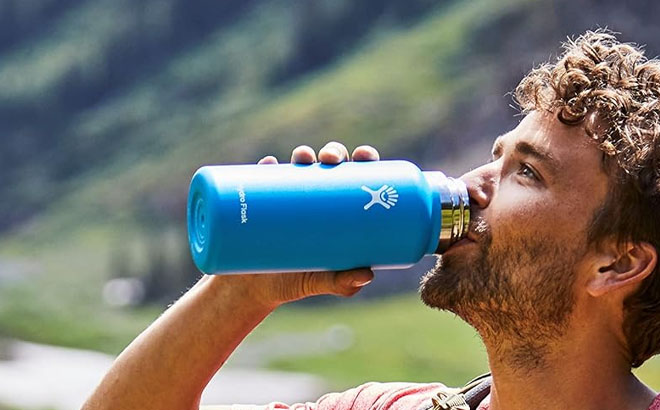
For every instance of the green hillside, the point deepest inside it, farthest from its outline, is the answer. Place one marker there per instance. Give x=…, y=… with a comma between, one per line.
x=104, y=195
x=391, y=91
x=87, y=86
x=394, y=339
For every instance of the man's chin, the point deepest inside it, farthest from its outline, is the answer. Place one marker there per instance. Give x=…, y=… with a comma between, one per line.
x=440, y=288
x=460, y=275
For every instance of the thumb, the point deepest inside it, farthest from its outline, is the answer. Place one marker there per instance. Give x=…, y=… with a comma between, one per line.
x=349, y=282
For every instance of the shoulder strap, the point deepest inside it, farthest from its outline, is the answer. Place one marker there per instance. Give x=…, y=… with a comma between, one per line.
x=467, y=398
x=476, y=391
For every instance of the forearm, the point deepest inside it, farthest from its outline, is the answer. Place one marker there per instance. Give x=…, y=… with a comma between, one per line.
x=170, y=363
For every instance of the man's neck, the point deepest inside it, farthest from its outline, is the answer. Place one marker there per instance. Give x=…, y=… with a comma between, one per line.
x=584, y=374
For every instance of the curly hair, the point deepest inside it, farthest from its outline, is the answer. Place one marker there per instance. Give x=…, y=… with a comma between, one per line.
x=613, y=91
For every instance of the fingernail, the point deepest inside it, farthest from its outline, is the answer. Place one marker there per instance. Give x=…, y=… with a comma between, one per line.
x=336, y=151
x=360, y=283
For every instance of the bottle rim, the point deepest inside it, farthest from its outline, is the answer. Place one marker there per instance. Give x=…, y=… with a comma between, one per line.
x=455, y=212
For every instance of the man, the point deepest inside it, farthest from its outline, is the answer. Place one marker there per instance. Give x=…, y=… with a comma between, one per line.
x=559, y=274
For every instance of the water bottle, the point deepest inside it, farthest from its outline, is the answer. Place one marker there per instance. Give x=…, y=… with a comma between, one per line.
x=309, y=217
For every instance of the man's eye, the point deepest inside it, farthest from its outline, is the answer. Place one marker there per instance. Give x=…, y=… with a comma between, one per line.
x=527, y=172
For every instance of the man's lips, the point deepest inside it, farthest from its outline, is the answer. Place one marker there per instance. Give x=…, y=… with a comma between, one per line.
x=459, y=244
x=470, y=238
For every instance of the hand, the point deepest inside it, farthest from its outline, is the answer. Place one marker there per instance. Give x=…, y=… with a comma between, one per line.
x=332, y=153
x=275, y=289
x=211, y=319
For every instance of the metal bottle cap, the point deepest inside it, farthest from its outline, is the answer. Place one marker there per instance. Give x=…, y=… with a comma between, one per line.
x=455, y=205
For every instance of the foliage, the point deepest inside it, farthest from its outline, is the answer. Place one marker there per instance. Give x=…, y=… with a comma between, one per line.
x=140, y=195
x=89, y=91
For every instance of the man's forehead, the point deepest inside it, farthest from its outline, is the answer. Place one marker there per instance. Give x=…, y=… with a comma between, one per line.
x=567, y=147
x=546, y=132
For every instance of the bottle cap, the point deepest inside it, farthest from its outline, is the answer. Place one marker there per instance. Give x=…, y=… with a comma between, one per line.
x=455, y=209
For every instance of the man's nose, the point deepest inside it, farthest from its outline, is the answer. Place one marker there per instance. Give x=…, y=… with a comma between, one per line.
x=481, y=183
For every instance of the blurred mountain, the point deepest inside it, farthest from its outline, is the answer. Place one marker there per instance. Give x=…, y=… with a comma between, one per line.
x=86, y=85
x=83, y=83
x=107, y=107
x=94, y=87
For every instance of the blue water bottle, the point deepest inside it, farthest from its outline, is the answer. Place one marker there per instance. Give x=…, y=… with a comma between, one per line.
x=295, y=217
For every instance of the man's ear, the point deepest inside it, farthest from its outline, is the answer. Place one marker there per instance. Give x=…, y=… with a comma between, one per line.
x=622, y=266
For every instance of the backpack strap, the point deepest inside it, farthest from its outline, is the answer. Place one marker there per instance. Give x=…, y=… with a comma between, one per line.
x=467, y=398
x=476, y=391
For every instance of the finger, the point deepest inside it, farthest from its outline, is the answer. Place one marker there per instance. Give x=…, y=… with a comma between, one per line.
x=303, y=154
x=287, y=287
x=349, y=282
x=268, y=160
x=333, y=153
x=365, y=153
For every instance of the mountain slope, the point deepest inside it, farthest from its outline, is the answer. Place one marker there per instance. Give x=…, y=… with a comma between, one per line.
x=395, y=91
x=105, y=196
x=99, y=78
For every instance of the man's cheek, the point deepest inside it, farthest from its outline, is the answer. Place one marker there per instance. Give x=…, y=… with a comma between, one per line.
x=514, y=205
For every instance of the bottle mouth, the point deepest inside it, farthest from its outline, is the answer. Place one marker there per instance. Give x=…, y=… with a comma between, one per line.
x=455, y=214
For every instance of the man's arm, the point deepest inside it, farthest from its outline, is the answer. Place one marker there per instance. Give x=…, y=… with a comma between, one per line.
x=170, y=363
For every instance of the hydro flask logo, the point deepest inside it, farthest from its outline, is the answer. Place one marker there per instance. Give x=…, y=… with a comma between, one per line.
x=385, y=196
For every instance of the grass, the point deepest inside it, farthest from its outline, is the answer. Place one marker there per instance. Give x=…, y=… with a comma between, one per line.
x=395, y=339
x=64, y=324
x=59, y=301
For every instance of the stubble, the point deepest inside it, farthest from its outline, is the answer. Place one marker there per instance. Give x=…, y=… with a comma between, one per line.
x=518, y=294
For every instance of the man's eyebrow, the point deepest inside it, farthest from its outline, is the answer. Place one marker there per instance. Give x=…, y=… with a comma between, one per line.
x=539, y=153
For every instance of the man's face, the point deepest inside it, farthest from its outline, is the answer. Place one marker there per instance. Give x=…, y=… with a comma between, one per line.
x=514, y=279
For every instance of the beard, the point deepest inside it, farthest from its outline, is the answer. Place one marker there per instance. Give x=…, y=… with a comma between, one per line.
x=517, y=294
